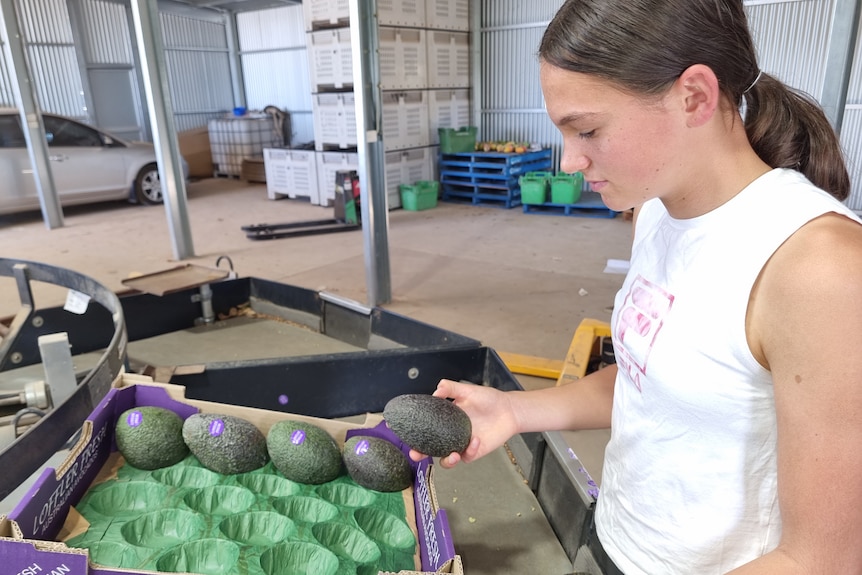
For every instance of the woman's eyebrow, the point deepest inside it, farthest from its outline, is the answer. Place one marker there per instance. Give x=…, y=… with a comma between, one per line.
x=576, y=117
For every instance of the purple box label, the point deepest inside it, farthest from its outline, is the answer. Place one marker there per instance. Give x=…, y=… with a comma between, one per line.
x=24, y=559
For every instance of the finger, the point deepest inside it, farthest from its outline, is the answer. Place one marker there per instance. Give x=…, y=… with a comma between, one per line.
x=445, y=389
x=416, y=456
x=472, y=451
x=450, y=460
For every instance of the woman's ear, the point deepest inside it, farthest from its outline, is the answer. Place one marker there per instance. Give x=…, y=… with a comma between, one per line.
x=697, y=88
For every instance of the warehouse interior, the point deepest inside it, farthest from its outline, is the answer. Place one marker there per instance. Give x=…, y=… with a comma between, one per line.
x=518, y=280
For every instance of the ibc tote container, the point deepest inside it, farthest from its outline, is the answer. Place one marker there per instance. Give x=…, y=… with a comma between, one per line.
x=234, y=139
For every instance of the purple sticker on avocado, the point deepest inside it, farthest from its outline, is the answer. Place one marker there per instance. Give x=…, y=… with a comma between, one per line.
x=361, y=447
x=216, y=427
x=297, y=437
x=134, y=418
x=282, y=399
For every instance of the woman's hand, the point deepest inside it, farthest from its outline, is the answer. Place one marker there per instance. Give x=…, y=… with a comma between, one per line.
x=491, y=416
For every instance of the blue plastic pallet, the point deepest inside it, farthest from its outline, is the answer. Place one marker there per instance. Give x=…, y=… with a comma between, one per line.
x=495, y=164
x=478, y=175
x=479, y=195
x=589, y=205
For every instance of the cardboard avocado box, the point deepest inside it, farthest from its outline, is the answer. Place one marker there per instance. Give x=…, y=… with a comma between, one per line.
x=32, y=536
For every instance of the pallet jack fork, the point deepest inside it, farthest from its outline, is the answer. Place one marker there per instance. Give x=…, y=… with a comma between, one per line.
x=346, y=215
x=293, y=229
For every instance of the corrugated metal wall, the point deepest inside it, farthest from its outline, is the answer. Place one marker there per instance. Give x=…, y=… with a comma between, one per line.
x=196, y=57
x=791, y=36
x=272, y=47
x=197, y=60
x=6, y=97
x=512, y=107
x=792, y=39
x=106, y=37
x=51, y=50
x=851, y=131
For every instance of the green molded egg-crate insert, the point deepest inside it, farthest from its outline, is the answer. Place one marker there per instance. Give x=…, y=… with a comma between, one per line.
x=186, y=518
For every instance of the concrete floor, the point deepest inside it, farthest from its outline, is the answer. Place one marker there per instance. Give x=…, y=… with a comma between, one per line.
x=516, y=282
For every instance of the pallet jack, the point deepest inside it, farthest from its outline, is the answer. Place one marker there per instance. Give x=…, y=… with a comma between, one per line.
x=346, y=207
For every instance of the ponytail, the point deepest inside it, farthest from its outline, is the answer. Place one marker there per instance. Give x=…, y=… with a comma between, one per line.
x=788, y=129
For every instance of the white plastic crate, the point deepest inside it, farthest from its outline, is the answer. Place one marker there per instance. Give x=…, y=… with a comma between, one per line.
x=334, y=121
x=401, y=13
x=331, y=13
x=328, y=164
x=406, y=167
x=447, y=14
x=403, y=60
x=330, y=59
x=325, y=13
x=448, y=59
x=291, y=173
x=405, y=119
x=234, y=139
x=447, y=109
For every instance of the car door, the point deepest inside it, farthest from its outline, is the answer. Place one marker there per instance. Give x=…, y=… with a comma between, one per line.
x=84, y=165
x=17, y=186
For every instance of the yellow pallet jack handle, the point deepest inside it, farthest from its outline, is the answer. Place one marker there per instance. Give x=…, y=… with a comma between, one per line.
x=573, y=367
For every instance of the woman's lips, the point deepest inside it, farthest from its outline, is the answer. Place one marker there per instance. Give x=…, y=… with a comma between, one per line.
x=597, y=186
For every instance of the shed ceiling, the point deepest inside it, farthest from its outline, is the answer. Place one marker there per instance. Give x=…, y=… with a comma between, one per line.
x=239, y=5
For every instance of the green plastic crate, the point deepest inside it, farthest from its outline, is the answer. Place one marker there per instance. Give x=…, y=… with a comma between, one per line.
x=420, y=196
x=457, y=141
x=534, y=187
x=566, y=188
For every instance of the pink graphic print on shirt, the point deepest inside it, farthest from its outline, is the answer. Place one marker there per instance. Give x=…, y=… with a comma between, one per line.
x=638, y=323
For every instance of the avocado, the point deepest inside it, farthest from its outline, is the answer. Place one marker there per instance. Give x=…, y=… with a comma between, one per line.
x=224, y=443
x=376, y=464
x=430, y=425
x=304, y=452
x=150, y=437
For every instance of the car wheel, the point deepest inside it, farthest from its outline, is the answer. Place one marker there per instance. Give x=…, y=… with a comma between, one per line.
x=148, y=186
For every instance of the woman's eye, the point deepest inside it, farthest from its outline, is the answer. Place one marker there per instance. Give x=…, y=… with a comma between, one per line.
x=587, y=135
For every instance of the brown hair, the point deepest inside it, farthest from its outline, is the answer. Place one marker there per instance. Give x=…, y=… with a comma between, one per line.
x=644, y=45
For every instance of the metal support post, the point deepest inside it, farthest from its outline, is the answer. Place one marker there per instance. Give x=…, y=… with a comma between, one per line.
x=364, y=43
x=839, y=60
x=151, y=49
x=32, y=125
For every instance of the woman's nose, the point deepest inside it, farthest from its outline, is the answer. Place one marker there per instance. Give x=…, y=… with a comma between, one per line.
x=573, y=161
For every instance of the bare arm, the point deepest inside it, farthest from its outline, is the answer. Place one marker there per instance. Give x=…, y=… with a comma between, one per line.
x=805, y=324
x=497, y=415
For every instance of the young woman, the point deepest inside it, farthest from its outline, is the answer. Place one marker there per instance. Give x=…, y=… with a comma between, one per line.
x=735, y=406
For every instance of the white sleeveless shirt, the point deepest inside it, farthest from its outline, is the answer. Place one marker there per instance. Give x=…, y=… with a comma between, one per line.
x=689, y=477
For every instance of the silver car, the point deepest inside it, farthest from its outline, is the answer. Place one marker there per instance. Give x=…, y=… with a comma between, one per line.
x=88, y=165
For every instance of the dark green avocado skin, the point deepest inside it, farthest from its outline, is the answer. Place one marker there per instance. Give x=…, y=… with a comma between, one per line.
x=304, y=452
x=150, y=437
x=430, y=425
x=224, y=443
x=376, y=464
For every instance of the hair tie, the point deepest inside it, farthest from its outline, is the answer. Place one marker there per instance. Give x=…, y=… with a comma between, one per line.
x=759, y=74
